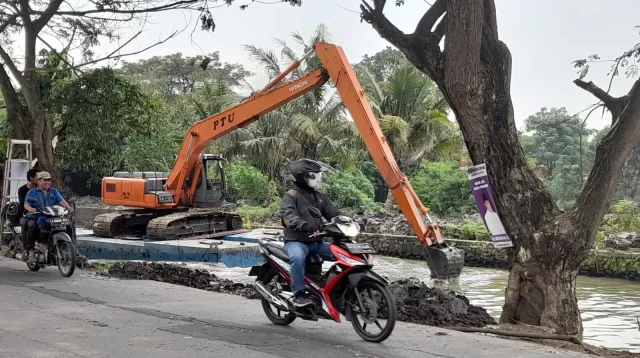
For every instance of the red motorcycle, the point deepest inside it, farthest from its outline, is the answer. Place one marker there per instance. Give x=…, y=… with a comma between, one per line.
x=349, y=287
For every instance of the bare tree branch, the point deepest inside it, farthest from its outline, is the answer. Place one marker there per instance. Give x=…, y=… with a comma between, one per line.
x=61, y=55
x=12, y=103
x=611, y=154
x=384, y=27
x=430, y=17
x=12, y=66
x=113, y=54
x=613, y=104
x=24, y=12
x=490, y=26
x=412, y=46
x=170, y=6
x=51, y=9
x=73, y=35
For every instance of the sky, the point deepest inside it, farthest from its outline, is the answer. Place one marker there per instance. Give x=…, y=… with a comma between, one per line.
x=544, y=37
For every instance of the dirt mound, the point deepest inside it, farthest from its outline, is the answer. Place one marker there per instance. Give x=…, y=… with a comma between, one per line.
x=180, y=275
x=384, y=223
x=416, y=302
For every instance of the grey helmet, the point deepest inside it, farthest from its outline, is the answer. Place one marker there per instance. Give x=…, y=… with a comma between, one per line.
x=308, y=172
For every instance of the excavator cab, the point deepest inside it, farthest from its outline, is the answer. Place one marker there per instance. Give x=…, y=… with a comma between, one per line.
x=211, y=188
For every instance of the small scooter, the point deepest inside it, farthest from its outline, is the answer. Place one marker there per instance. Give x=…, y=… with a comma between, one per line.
x=55, y=245
x=349, y=287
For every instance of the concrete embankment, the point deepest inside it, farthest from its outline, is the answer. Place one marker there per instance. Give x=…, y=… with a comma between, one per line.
x=600, y=263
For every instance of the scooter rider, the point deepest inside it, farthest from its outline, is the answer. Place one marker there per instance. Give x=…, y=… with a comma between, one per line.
x=301, y=228
x=32, y=182
x=38, y=198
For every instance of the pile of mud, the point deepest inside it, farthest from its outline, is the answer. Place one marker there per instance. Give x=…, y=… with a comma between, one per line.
x=393, y=224
x=179, y=275
x=416, y=303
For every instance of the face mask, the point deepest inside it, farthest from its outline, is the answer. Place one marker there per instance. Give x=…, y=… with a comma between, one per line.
x=314, y=180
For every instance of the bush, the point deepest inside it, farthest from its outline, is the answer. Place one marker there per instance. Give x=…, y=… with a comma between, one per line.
x=351, y=190
x=443, y=188
x=247, y=184
x=468, y=230
x=258, y=215
x=625, y=218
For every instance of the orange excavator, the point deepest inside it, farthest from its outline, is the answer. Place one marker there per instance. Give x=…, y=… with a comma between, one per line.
x=180, y=204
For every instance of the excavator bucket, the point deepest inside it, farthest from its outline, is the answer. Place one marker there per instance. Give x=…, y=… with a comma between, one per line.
x=443, y=261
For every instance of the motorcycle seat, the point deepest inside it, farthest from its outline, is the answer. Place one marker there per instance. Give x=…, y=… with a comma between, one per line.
x=277, y=249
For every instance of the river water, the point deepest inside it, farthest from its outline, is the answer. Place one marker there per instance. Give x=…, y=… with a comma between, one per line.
x=609, y=306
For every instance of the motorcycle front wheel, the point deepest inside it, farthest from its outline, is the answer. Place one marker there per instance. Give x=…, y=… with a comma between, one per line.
x=365, y=303
x=33, y=267
x=66, y=258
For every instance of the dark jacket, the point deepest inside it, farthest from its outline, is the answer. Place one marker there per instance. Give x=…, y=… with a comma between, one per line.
x=295, y=216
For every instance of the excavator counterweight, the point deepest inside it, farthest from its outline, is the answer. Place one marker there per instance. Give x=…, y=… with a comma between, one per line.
x=165, y=205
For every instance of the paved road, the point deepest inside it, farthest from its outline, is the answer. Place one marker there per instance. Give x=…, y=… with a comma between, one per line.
x=45, y=315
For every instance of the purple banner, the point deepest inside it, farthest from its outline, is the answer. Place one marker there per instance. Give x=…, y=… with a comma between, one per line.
x=481, y=190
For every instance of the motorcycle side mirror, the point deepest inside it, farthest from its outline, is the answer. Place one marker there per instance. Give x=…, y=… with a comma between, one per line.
x=315, y=212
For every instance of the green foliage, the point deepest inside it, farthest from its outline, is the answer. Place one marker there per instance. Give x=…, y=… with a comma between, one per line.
x=443, y=188
x=560, y=141
x=174, y=75
x=469, y=230
x=351, y=190
x=383, y=63
x=258, y=215
x=248, y=184
x=313, y=126
x=625, y=217
x=93, y=115
x=155, y=149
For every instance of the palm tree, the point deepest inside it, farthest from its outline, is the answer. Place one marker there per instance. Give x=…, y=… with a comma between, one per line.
x=312, y=126
x=412, y=116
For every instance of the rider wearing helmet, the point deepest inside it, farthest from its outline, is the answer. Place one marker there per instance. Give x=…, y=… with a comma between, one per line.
x=300, y=226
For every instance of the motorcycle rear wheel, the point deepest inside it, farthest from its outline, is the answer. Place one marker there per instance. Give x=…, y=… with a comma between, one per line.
x=360, y=328
x=268, y=308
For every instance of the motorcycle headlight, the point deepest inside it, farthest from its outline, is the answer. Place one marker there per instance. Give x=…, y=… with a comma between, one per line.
x=351, y=230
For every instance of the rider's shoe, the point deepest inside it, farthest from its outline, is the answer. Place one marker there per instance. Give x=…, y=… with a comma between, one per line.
x=32, y=256
x=302, y=302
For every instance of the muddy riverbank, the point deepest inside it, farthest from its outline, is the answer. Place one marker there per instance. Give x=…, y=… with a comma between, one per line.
x=416, y=302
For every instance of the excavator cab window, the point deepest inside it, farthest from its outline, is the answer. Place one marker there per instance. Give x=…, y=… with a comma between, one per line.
x=215, y=174
x=211, y=187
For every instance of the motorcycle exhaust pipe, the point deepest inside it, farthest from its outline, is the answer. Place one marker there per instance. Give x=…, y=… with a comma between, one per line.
x=270, y=297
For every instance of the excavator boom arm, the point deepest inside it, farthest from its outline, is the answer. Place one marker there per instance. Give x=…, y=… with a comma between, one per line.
x=353, y=96
x=203, y=132
x=335, y=66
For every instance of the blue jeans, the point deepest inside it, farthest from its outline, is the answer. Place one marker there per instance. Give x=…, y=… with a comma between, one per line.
x=297, y=252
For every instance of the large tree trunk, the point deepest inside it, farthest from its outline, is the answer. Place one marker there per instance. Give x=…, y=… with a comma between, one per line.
x=474, y=74
x=31, y=121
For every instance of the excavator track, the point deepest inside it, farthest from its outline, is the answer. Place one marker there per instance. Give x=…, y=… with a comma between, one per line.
x=184, y=225
x=121, y=223
x=164, y=225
